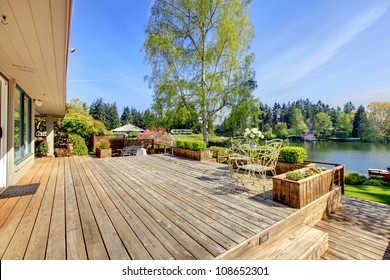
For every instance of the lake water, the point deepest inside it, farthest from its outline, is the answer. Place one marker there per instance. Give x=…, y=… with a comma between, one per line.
x=357, y=157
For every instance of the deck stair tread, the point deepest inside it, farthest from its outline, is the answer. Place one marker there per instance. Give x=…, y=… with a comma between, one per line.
x=301, y=243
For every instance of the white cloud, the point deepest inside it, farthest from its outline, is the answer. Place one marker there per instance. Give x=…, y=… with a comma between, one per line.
x=300, y=61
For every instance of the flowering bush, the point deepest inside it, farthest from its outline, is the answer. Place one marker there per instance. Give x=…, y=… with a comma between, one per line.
x=160, y=136
x=253, y=133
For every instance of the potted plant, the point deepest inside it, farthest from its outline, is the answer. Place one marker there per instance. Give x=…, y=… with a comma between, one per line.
x=103, y=149
x=302, y=186
x=193, y=149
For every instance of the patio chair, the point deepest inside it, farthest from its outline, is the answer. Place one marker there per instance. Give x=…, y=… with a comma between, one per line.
x=235, y=154
x=261, y=160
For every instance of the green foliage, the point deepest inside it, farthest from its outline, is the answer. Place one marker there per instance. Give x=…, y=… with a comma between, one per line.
x=41, y=148
x=105, y=112
x=103, y=144
x=293, y=154
x=281, y=130
x=301, y=174
x=220, y=150
x=298, y=126
x=294, y=175
x=373, y=182
x=79, y=147
x=199, y=62
x=323, y=124
x=195, y=145
x=219, y=142
x=354, y=178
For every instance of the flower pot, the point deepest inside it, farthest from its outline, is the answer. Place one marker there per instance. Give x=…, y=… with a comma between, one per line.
x=103, y=153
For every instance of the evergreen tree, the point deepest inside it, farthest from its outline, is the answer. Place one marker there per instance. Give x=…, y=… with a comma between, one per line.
x=348, y=108
x=98, y=110
x=126, y=116
x=112, y=117
x=359, y=115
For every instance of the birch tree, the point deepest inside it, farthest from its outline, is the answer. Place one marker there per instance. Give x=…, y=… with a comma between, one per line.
x=199, y=54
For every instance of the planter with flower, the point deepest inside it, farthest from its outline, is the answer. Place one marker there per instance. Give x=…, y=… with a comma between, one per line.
x=302, y=186
x=253, y=134
x=103, y=149
x=193, y=149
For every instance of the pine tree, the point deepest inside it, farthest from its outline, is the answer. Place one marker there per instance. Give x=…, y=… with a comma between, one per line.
x=357, y=120
x=126, y=116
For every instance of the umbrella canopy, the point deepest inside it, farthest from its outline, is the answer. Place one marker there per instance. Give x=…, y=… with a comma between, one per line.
x=127, y=128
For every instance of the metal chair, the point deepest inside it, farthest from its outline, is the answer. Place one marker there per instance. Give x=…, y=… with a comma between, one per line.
x=261, y=160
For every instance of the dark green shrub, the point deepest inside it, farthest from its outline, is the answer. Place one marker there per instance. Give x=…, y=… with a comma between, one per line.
x=219, y=142
x=79, y=147
x=373, y=182
x=41, y=149
x=354, y=179
x=293, y=154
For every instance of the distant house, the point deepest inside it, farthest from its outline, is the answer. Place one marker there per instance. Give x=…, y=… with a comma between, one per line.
x=33, y=66
x=310, y=136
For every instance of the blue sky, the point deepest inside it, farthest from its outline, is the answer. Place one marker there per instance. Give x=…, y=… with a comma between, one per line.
x=334, y=51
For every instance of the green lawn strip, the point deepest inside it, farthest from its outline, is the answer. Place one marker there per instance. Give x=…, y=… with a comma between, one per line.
x=188, y=137
x=367, y=192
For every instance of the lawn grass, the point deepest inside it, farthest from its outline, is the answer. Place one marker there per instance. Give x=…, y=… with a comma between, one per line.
x=367, y=192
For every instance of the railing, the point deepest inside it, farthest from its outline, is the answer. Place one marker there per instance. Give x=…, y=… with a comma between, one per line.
x=118, y=141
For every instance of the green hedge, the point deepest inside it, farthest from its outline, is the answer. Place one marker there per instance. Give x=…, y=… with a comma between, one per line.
x=217, y=142
x=41, y=149
x=195, y=145
x=293, y=154
x=354, y=179
x=79, y=147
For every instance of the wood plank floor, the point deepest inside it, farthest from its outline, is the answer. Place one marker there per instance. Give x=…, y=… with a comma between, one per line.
x=359, y=230
x=154, y=207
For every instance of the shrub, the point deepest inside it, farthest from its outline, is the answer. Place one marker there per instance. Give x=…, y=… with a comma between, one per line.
x=221, y=151
x=79, y=147
x=180, y=144
x=195, y=145
x=220, y=142
x=293, y=154
x=103, y=144
x=295, y=175
x=354, y=179
x=373, y=182
x=198, y=145
x=41, y=149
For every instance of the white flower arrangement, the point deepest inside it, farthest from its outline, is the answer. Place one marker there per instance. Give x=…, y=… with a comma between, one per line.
x=253, y=133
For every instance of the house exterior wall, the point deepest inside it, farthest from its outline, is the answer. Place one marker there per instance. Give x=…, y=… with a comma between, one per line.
x=16, y=169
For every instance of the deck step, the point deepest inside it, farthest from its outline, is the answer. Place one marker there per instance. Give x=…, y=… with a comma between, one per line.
x=302, y=243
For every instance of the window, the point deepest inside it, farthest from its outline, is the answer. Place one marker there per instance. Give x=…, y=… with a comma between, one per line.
x=22, y=125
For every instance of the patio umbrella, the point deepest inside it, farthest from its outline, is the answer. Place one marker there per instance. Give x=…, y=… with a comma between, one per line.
x=127, y=129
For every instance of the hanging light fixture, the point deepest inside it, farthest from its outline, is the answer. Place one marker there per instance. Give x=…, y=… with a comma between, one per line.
x=38, y=102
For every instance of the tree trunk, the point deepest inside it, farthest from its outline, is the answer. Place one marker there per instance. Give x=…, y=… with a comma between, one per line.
x=206, y=129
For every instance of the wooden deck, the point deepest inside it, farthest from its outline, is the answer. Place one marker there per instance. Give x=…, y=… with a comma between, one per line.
x=359, y=230
x=154, y=207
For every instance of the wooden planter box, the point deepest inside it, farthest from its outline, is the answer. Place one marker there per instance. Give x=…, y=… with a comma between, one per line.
x=197, y=155
x=283, y=167
x=103, y=153
x=298, y=194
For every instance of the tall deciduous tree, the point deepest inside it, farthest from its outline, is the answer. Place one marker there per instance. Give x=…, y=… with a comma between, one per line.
x=198, y=51
x=323, y=124
x=379, y=112
x=298, y=126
